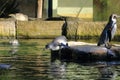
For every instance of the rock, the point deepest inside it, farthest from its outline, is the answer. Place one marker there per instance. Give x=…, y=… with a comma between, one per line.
x=19, y=16
x=91, y=53
x=87, y=53
x=81, y=51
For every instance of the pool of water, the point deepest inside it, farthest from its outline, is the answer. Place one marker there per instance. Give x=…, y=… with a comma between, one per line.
x=29, y=61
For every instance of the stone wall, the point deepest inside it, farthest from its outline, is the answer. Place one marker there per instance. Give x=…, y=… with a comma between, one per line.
x=7, y=29
x=88, y=30
x=39, y=29
x=30, y=29
x=52, y=29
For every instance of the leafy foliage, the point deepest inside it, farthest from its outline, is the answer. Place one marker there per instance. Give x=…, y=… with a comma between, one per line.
x=102, y=9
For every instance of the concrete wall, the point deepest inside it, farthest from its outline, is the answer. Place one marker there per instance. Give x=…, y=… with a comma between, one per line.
x=52, y=29
x=7, y=29
x=30, y=29
x=39, y=29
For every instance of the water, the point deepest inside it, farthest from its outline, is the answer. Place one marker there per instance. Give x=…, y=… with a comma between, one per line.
x=29, y=61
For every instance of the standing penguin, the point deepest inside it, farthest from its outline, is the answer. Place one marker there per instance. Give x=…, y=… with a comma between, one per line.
x=108, y=32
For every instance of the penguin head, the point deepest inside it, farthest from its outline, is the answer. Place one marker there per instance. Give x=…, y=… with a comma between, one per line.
x=57, y=44
x=113, y=17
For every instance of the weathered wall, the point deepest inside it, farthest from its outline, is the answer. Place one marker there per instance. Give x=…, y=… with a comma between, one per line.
x=88, y=30
x=51, y=29
x=7, y=29
x=39, y=29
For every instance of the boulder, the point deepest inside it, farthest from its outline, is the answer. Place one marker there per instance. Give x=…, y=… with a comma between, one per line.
x=89, y=53
x=81, y=51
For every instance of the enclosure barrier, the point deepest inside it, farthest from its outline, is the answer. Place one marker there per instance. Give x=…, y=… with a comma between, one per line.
x=38, y=29
x=51, y=29
x=7, y=29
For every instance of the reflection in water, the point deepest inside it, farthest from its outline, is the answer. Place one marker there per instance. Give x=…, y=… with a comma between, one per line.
x=57, y=70
x=64, y=69
x=14, y=49
x=107, y=72
x=5, y=66
x=28, y=61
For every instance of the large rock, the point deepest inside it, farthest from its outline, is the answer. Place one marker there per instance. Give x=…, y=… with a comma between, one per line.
x=87, y=53
x=75, y=51
x=90, y=53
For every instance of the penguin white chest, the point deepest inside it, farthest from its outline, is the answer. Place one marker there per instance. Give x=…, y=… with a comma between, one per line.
x=114, y=30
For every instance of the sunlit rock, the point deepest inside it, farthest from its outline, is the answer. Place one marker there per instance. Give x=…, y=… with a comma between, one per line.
x=19, y=16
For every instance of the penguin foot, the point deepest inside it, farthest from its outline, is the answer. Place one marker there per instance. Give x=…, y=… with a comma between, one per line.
x=108, y=46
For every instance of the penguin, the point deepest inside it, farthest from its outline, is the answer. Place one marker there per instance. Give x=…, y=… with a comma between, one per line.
x=109, y=31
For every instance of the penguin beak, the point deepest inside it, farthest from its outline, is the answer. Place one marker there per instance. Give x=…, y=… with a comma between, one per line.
x=118, y=16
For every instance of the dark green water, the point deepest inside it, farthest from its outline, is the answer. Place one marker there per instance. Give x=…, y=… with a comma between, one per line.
x=29, y=61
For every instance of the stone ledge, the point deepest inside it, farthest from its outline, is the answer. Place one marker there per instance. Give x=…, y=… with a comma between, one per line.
x=7, y=28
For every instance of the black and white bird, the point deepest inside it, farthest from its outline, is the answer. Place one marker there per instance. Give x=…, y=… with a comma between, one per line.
x=57, y=44
x=109, y=31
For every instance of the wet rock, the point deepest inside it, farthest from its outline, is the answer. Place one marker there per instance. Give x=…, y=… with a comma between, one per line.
x=75, y=51
x=91, y=53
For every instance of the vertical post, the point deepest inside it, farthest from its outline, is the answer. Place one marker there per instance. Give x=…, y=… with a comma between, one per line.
x=16, y=36
x=39, y=11
x=50, y=8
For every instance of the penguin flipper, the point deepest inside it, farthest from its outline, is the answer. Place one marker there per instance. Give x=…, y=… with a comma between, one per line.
x=103, y=38
x=109, y=35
